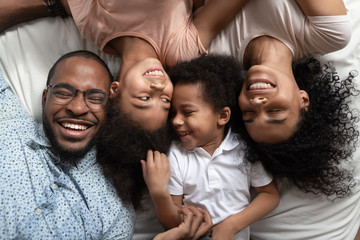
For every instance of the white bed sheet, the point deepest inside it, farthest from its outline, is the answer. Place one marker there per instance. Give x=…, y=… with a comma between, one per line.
x=27, y=51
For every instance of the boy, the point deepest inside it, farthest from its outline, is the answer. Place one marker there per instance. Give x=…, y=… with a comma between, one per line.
x=207, y=166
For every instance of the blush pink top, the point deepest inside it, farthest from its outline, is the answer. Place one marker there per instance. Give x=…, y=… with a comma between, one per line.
x=166, y=25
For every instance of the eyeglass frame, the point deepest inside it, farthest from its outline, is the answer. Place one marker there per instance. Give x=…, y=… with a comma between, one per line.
x=75, y=91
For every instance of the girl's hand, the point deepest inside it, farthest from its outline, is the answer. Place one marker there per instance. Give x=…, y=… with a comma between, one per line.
x=156, y=172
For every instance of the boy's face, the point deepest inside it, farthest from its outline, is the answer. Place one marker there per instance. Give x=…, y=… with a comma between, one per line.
x=194, y=120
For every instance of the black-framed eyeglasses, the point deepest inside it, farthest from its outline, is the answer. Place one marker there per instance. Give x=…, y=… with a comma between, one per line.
x=64, y=93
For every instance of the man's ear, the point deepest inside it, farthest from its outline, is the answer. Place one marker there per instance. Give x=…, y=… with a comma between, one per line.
x=224, y=116
x=43, y=98
x=305, y=101
x=114, y=89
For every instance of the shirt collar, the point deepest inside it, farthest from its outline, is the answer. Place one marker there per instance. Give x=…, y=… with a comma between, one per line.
x=229, y=143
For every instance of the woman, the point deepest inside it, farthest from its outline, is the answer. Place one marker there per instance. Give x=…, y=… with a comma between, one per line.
x=274, y=107
x=303, y=129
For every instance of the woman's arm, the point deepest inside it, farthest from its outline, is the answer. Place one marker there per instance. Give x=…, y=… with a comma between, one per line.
x=214, y=16
x=266, y=200
x=322, y=7
x=156, y=172
x=14, y=12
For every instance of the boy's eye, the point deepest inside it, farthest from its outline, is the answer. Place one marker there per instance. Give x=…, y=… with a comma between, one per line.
x=188, y=112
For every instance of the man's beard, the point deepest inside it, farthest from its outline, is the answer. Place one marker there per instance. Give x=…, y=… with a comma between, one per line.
x=66, y=154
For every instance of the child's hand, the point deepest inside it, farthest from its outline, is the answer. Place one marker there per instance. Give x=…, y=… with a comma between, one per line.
x=223, y=231
x=156, y=172
x=197, y=223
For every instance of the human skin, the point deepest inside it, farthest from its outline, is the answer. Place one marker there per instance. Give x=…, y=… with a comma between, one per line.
x=269, y=61
x=74, y=125
x=195, y=121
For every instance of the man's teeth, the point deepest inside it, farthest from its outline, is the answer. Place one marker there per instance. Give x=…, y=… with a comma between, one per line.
x=154, y=73
x=74, y=126
x=260, y=85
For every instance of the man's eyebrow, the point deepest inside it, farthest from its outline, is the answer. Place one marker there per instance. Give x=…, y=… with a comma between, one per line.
x=271, y=121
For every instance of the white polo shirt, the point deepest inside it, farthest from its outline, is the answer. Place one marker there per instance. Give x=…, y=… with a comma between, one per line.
x=220, y=183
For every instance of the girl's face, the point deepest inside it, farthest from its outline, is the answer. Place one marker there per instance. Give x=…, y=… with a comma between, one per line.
x=193, y=119
x=145, y=93
x=270, y=102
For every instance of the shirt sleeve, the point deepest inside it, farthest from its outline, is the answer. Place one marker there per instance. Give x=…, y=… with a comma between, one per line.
x=328, y=33
x=259, y=176
x=10, y=105
x=176, y=181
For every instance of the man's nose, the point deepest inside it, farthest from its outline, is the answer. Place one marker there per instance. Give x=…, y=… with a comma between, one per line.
x=77, y=105
x=259, y=100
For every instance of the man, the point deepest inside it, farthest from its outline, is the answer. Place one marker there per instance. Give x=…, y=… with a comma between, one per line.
x=51, y=185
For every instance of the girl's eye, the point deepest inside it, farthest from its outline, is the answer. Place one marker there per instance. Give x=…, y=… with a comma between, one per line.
x=144, y=98
x=166, y=100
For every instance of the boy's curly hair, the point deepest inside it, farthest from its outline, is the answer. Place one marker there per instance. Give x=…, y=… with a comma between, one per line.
x=326, y=136
x=219, y=77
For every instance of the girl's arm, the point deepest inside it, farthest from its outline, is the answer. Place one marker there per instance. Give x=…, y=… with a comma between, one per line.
x=322, y=7
x=156, y=172
x=214, y=16
x=266, y=201
x=14, y=12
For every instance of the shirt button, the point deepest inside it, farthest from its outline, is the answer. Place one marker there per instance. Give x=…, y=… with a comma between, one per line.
x=54, y=186
x=38, y=211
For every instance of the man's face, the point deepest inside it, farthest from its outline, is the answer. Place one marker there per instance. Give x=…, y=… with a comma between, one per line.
x=71, y=127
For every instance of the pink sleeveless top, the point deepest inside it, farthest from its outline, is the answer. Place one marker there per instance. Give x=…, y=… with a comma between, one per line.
x=166, y=25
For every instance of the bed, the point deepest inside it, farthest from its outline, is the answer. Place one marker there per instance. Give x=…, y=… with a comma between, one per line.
x=27, y=51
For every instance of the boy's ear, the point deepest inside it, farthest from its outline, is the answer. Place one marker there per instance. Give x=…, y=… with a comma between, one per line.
x=224, y=116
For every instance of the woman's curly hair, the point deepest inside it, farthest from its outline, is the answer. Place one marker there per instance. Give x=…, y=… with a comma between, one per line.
x=326, y=135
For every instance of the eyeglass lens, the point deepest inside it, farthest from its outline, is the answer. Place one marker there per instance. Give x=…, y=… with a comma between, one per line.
x=64, y=93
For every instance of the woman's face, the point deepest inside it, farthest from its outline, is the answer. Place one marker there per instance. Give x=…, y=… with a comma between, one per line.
x=145, y=93
x=270, y=101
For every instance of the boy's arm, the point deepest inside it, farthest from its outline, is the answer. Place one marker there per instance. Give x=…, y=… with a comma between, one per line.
x=156, y=172
x=266, y=200
x=214, y=16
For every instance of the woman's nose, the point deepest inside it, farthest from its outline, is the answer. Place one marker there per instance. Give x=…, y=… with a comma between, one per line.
x=259, y=100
